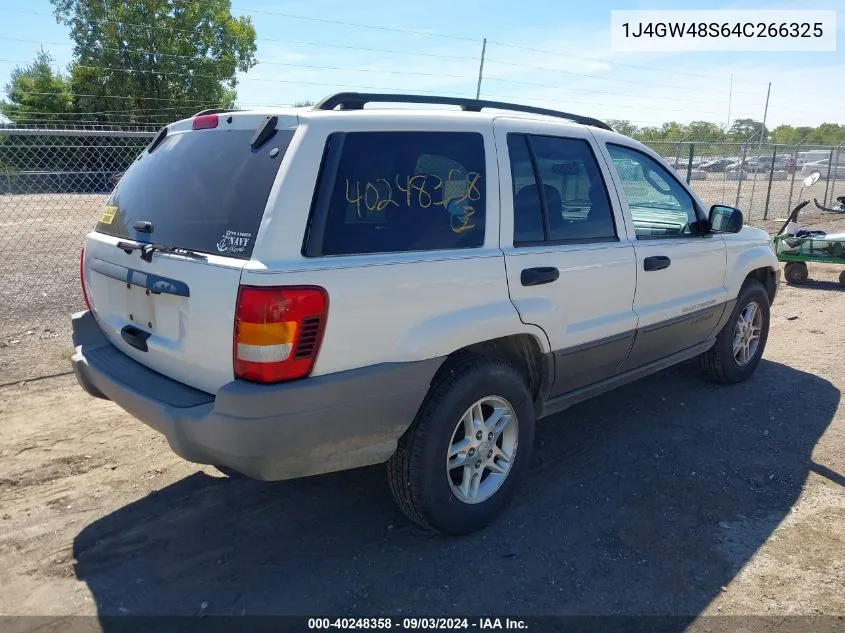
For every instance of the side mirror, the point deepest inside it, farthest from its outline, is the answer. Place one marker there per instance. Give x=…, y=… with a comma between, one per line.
x=725, y=219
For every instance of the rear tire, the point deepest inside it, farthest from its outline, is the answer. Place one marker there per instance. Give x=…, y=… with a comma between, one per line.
x=739, y=347
x=795, y=273
x=842, y=278
x=440, y=498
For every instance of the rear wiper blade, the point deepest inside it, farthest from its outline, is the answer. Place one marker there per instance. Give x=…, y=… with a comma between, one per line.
x=147, y=250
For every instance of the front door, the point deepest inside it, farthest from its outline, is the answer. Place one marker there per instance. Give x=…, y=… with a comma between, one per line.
x=570, y=264
x=680, y=269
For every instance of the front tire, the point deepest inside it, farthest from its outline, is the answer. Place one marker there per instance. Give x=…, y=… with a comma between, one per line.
x=458, y=464
x=740, y=344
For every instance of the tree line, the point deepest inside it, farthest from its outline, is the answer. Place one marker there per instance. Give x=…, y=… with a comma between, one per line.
x=740, y=131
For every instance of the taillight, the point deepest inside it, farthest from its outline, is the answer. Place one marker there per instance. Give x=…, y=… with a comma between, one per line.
x=82, y=277
x=204, y=122
x=278, y=331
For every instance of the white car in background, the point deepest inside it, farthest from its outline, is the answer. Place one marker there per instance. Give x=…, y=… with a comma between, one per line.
x=825, y=169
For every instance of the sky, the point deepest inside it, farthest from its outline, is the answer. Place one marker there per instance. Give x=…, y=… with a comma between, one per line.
x=435, y=47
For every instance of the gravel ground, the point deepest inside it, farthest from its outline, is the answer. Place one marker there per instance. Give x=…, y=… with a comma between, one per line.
x=668, y=496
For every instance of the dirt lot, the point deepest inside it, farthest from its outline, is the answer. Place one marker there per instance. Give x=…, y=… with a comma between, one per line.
x=669, y=496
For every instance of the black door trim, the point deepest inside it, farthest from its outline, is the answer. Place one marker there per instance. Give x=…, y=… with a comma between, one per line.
x=590, y=362
x=559, y=403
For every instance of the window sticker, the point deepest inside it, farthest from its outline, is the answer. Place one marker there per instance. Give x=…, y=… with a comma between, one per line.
x=109, y=211
x=233, y=242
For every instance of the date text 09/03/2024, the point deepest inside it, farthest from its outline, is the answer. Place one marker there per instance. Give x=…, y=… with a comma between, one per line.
x=417, y=624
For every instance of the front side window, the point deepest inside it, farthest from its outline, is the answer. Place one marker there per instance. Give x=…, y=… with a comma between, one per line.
x=401, y=191
x=660, y=206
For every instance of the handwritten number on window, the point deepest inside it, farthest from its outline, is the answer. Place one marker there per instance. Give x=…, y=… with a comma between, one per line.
x=357, y=199
x=422, y=189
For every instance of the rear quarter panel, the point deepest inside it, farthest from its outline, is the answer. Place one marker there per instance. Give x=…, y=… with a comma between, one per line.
x=387, y=307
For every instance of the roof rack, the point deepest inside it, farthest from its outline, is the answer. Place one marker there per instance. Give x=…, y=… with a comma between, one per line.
x=357, y=100
x=214, y=111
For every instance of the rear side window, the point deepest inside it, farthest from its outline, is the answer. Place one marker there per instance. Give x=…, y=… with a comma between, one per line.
x=559, y=192
x=527, y=208
x=382, y=192
x=204, y=190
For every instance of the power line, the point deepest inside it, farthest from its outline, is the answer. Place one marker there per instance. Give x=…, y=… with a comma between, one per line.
x=605, y=61
x=258, y=60
x=397, y=72
x=394, y=72
x=369, y=49
x=598, y=77
x=609, y=92
x=396, y=30
x=282, y=81
x=610, y=105
x=96, y=96
x=360, y=26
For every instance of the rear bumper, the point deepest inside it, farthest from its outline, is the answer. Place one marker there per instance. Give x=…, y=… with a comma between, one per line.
x=271, y=432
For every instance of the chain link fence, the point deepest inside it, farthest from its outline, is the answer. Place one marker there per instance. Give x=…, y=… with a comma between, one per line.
x=763, y=180
x=54, y=183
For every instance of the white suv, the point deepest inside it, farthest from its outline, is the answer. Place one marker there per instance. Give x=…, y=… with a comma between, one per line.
x=307, y=291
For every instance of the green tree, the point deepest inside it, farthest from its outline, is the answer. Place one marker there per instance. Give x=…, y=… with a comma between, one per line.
x=747, y=129
x=785, y=134
x=155, y=60
x=827, y=134
x=36, y=93
x=673, y=131
x=705, y=131
x=623, y=127
x=650, y=133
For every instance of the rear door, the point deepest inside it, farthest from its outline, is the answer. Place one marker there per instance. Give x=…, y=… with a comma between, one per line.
x=680, y=269
x=202, y=190
x=570, y=264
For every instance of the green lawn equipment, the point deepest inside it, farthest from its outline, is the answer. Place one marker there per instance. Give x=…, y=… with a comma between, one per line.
x=796, y=246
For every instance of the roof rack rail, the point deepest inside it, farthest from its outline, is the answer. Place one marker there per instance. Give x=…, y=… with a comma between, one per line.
x=214, y=111
x=357, y=100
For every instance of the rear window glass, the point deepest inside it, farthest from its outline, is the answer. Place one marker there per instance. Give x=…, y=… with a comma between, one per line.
x=204, y=191
x=403, y=191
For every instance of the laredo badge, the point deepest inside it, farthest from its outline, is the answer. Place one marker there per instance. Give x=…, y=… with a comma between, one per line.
x=108, y=214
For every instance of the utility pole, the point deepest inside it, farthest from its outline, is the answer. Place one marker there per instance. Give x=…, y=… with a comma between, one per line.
x=730, y=97
x=759, y=150
x=481, y=68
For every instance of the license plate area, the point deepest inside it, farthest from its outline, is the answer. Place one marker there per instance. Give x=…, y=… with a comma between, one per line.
x=140, y=308
x=148, y=301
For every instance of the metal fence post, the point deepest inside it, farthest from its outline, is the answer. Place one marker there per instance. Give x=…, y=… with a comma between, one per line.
x=769, y=190
x=827, y=180
x=741, y=175
x=835, y=174
x=794, y=171
x=689, y=164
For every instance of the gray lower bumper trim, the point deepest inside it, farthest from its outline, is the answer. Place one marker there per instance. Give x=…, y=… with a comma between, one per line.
x=306, y=427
